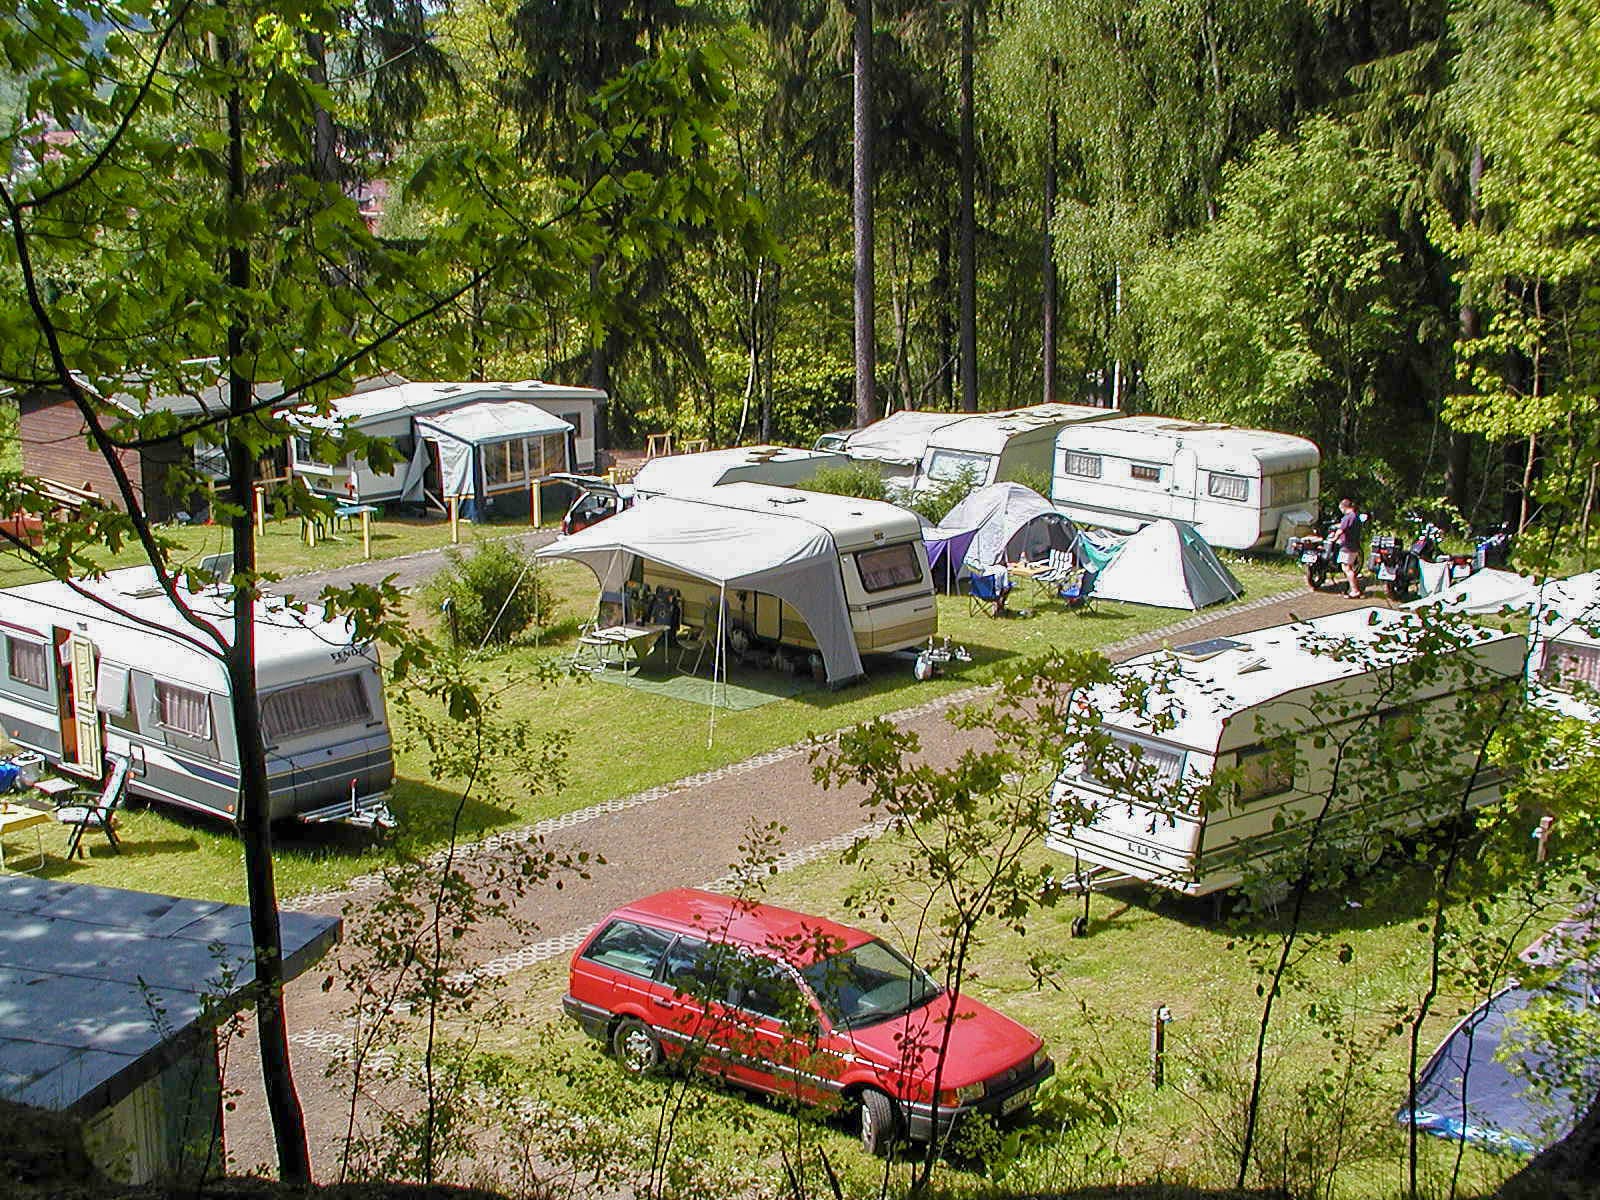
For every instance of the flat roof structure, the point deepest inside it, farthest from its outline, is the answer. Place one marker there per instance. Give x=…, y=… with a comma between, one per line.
x=101, y=989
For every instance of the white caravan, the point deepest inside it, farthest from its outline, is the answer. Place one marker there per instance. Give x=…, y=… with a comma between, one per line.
x=1565, y=658
x=1236, y=699
x=834, y=575
x=1234, y=485
x=921, y=450
x=83, y=680
x=686, y=474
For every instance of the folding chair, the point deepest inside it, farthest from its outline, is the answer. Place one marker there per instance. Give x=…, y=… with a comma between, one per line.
x=699, y=639
x=987, y=591
x=1059, y=570
x=92, y=809
x=1077, y=592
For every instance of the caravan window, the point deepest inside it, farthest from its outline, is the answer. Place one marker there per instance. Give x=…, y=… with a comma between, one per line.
x=946, y=466
x=502, y=463
x=320, y=704
x=25, y=662
x=1265, y=772
x=1228, y=487
x=1145, y=472
x=183, y=710
x=1566, y=664
x=1289, y=489
x=1166, y=763
x=889, y=567
x=1085, y=466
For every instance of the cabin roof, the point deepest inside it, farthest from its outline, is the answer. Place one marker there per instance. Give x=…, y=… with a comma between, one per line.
x=1264, y=664
x=419, y=398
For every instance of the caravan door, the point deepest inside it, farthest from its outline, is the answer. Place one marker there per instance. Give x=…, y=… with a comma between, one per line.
x=81, y=742
x=1183, y=488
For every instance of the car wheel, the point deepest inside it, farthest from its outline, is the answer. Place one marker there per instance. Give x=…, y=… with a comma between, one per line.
x=877, y=1124
x=636, y=1048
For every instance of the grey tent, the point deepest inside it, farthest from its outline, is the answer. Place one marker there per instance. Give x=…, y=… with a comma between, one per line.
x=732, y=544
x=1010, y=522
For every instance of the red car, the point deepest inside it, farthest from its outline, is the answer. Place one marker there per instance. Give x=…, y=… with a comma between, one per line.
x=798, y=1006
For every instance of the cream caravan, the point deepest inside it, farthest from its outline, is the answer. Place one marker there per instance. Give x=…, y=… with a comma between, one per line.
x=1234, y=485
x=128, y=677
x=689, y=474
x=1233, y=702
x=763, y=565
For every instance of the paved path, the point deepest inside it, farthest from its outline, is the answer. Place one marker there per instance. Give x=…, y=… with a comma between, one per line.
x=687, y=833
x=409, y=569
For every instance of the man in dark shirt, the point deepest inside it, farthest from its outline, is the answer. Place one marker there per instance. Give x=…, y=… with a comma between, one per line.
x=1346, y=536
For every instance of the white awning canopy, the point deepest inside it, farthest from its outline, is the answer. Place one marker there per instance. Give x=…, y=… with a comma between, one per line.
x=458, y=432
x=782, y=555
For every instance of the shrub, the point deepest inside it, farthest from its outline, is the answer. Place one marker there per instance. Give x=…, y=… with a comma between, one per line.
x=934, y=504
x=858, y=479
x=492, y=595
x=1031, y=477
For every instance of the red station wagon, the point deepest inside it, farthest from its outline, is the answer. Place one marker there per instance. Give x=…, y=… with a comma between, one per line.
x=798, y=1006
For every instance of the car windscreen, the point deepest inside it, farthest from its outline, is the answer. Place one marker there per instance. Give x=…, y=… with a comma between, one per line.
x=870, y=983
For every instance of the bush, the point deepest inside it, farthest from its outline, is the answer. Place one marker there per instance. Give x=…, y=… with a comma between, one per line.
x=1030, y=477
x=492, y=595
x=862, y=480
x=934, y=504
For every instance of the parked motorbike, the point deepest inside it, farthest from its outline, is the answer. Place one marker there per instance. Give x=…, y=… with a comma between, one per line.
x=1398, y=565
x=1318, y=555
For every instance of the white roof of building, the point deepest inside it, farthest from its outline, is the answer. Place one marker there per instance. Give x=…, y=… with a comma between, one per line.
x=286, y=640
x=1219, y=445
x=1255, y=667
x=418, y=399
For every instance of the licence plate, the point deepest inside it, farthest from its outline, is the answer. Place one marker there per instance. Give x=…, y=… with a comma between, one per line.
x=1385, y=572
x=1310, y=556
x=1015, y=1101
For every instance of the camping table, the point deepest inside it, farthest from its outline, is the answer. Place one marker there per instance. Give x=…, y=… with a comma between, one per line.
x=15, y=817
x=622, y=646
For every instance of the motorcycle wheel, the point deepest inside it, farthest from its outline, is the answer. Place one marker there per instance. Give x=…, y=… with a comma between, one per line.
x=1316, y=575
x=1399, y=588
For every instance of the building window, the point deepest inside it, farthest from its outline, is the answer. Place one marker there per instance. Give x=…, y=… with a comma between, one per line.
x=1228, y=487
x=26, y=662
x=183, y=710
x=504, y=464
x=552, y=449
x=889, y=567
x=1085, y=466
x=1144, y=472
x=1564, y=665
x=321, y=704
x=1264, y=773
x=1291, y=488
x=575, y=419
x=306, y=453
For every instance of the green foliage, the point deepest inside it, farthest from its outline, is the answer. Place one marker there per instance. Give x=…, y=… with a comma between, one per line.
x=1029, y=477
x=492, y=594
x=933, y=502
x=857, y=479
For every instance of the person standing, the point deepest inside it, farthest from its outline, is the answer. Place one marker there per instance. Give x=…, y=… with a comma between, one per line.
x=1347, y=537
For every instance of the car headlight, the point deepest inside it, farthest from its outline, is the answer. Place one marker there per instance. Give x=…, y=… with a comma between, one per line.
x=1040, y=1057
x=969, y=1093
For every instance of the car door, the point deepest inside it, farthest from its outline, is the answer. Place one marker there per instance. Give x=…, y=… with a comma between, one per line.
x=775, y=1036
x=691, y=1000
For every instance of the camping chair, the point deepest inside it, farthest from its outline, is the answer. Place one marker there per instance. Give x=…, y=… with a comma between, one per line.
x=987, y=591
x=699, y=638
x=86, y=808
x=1056, y=573
x=1077, y=590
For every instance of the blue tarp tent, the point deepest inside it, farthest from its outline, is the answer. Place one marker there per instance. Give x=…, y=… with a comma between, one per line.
x=1481, y=1088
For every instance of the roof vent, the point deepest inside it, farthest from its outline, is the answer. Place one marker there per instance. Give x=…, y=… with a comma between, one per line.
x=1210, y=648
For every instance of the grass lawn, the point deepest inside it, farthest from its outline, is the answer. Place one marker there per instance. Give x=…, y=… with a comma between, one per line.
x=1327, y=1125
x=665, y=739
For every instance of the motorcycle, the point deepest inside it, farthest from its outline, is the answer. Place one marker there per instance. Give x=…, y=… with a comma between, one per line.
x=1318, y=555
x=1398, y=565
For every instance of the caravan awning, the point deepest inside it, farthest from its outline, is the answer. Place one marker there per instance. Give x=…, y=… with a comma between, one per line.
x=458, y=432
x=785, y=556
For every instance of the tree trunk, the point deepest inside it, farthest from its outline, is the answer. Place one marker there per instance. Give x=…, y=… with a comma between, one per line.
x=255, y=817
x=865, y=292
x=968, y=265
x=1568, y=1168
x=1458, y=465
x=1049, y=314
x=944, y=380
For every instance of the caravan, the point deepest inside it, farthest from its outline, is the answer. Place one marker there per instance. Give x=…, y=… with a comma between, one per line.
x=1234, y=800
x=108, y=666
x=1234, y=485
x=922, y=450
x=770, y=567
x=688, y=474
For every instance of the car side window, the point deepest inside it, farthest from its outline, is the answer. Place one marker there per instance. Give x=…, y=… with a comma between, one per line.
x=764, y=987
x=631, y=947
x=698, y=968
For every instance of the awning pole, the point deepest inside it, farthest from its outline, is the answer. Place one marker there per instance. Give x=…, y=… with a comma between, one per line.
x=720, y=652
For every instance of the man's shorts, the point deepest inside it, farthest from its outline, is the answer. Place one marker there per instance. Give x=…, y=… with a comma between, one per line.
x=1349, y=558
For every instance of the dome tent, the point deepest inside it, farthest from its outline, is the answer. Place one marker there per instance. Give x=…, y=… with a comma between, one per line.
x=1004, y=522
x=1169, y=565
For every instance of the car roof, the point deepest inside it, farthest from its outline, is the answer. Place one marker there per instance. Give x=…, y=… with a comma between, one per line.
x=796, y=936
